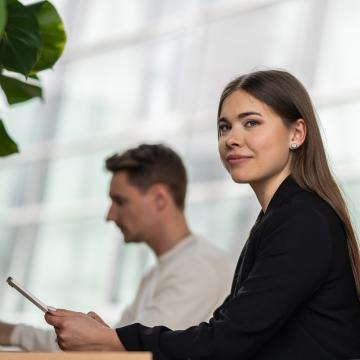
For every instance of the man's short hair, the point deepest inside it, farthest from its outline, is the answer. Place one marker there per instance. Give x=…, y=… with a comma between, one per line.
x=147, y=165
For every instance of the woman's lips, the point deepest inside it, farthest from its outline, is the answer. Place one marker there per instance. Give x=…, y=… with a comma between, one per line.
x=234, y=159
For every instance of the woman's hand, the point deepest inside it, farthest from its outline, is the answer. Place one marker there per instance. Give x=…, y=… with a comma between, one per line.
x=96, y=317
x=81, y=332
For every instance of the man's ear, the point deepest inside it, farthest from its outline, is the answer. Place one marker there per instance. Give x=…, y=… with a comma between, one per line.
x=160, y=195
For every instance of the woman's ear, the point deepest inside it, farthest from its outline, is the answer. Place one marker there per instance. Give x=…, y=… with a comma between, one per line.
x=298, y=134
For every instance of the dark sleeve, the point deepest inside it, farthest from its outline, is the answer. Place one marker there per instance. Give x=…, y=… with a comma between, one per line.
x=293, y=258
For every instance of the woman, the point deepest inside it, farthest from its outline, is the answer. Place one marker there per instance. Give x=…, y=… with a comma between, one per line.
x=296, y=288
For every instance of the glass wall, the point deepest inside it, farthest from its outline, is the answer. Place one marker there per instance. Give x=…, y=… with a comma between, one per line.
x=148, y=71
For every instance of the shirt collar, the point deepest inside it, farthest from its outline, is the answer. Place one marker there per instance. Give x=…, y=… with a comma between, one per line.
x=174, y=252
x=287, y=189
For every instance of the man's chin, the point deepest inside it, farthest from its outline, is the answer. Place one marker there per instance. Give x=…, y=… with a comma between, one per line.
x=131, y=240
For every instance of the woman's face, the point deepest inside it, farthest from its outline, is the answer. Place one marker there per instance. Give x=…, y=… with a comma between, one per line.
x=253, y=140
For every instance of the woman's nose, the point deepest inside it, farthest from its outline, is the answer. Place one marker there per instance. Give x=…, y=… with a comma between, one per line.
x=234, y=139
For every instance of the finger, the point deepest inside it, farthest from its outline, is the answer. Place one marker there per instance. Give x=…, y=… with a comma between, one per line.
x=53, y=320
x=63, y=312
x=96, y=317
x=93, y=314
x=60, y=344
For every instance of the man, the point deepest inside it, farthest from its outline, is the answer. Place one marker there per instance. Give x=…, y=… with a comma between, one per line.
x=191, y=277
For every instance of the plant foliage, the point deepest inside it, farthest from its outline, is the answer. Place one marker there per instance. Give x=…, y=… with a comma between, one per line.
x=32, y=39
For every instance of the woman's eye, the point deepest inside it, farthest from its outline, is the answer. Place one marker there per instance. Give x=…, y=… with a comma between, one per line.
x=251, y=123
x=223, y=128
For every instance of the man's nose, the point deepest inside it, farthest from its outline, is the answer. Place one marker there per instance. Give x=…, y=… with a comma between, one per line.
x=110, y=214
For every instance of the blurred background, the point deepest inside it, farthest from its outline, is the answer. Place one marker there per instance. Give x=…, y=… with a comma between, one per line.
x=152, y=71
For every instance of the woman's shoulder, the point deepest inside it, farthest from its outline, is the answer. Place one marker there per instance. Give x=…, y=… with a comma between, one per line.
x=295, y=227
x=307, y=214
x=304, y=205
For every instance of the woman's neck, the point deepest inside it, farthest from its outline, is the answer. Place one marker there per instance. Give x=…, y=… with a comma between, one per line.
x=266, y=188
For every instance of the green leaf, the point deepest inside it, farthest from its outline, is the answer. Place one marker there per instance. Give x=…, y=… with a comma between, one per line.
x=3, y=15
x=7, y=145
x=33, y=75
x=20, y=42
x=52, y=34
x=17, y=91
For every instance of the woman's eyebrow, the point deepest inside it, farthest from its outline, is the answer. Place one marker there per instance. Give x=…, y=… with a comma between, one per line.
x=247, y=113
x=241, y=115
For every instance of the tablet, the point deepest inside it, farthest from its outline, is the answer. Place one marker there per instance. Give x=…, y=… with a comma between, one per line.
x=28, y=295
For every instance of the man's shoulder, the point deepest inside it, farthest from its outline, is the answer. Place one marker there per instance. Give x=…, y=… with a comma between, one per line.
x=199, y=256
x=205, y=249
x=209, y=260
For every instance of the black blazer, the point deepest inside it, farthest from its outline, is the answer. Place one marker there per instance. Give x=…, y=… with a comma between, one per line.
x=293, y=294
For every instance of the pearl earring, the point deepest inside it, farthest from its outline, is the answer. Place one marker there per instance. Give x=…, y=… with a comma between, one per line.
x=293, y=146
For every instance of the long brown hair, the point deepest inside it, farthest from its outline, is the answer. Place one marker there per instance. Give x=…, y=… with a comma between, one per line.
x=284, y=94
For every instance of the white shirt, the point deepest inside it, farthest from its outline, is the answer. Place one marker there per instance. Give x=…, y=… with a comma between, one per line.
x=183, y=289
